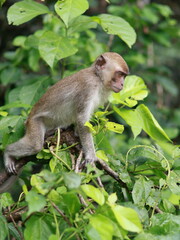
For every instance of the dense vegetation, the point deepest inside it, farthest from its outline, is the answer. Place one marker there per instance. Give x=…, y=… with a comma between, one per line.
x=133, y=193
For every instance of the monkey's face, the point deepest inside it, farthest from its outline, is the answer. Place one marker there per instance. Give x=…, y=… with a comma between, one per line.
x=112, y=69
x=117, y=81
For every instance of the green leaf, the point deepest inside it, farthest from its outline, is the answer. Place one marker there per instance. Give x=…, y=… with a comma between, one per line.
x=2, y=2
x=80, y=24
x=14, y=232
x=164, y=10
x=72, y=180
x=173, y=183
x=127, y=218
x=69, y=9
x=147, y=236
x=131, y=118
x=3, y=227
x=102, y=225
x=114, y=127
x=11, y=129
x=134, y=90
x=103, y=143
x=10, y=75
x=93, y=193
x=112, y=198
x=19, y=41
x=165, y=223
x=53, y=237
x=150, y=124
x=37, y=181
x=72, y=203
x=6, y=200
x=142, y=118
x=35, y=201
x=117, y=26
x=101, y=154
x=15, y=105
x=141, y=191
x=3, y=113
x=24, y=11
x=53, y=47
x=39, y=227
x=90, y=126
x=30, y=94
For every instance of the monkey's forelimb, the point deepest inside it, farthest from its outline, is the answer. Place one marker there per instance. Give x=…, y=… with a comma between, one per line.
x=7, y=180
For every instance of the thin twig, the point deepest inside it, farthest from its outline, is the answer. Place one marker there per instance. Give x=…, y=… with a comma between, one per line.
x=73, y=161
x=84, y=203
x=158, y=210
x=78, y=162
x=54, y=154
x=112, y=173
x=110, y=42
x=62, y=214
x=98, y=178
x=16, y=227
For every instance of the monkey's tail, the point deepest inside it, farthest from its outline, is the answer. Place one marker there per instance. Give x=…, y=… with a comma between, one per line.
x=8, y=183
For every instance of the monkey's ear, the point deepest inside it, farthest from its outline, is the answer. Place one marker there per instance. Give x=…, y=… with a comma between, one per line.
x=100, y=62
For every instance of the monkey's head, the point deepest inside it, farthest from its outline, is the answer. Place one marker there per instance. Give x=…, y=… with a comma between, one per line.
x=112, y=70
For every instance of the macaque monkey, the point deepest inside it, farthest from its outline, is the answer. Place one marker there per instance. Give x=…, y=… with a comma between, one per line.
x=71, y=100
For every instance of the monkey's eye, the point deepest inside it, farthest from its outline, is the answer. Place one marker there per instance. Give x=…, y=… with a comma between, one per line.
x=120, y=74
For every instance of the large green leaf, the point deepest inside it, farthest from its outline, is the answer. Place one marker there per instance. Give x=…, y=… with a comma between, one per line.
x=35, y=201
x=69, y=9
x=134, y=90
x=71, y=202
x=142, y=118
x=117, y=26
x=3, y=227
x=16, y=104
x=102, y=225
x=131, y=118
x=93, y=193
x=6, y=200
x=39, y=227
x=24, y=11
x=52, y=47
x=11, y=129
x=127, y=218
x=80, y=24
x=30, y=94
x=72, y=180
x=10, y=75
x=150, y=124
x=165, y=223
x=141, y=191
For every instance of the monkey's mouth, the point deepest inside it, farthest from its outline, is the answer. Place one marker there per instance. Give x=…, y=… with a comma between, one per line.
x=116, y=89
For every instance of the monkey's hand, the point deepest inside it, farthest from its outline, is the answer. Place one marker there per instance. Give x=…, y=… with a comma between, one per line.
x=10, y=164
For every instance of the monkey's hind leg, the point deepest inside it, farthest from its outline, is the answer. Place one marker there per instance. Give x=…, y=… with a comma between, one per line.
x=30, y=144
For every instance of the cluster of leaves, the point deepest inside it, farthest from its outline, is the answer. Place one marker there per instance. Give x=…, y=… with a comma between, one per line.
x=61, y=203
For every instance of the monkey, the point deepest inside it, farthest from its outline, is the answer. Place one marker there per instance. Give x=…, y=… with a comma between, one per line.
x=71, y=100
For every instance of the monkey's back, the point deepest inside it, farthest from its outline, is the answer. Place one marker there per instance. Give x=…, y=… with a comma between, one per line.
x=59, y=105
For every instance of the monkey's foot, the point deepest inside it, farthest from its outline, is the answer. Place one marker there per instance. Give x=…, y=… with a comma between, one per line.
x=11, y=167
x=88, y=160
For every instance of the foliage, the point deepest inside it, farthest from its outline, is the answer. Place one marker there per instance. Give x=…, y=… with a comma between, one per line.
x=141, y=202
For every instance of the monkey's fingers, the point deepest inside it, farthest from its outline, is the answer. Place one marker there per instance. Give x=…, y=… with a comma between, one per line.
x=11, y=168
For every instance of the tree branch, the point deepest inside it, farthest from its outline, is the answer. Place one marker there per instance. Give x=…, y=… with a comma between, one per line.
x=68, y=137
